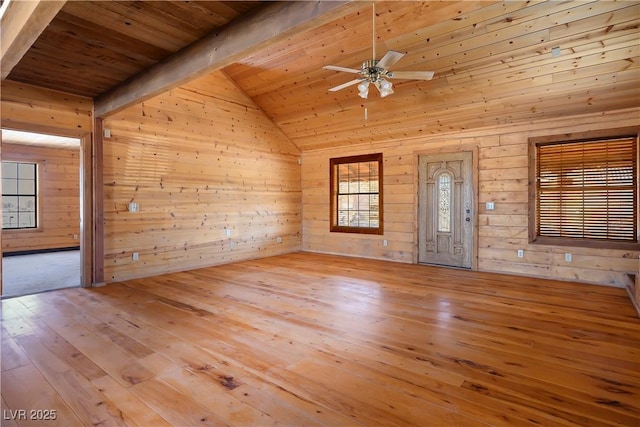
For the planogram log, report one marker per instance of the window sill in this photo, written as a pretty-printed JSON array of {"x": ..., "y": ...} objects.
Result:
[
  {"x": 586, "y": 243},
  {"x": 8, "y": 231},
  {"x": 356, "y": 230}
]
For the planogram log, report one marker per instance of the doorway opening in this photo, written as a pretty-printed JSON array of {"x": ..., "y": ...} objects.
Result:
[{"x": 41, "y": 212}]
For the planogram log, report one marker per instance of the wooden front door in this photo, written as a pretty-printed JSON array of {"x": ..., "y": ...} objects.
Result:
[{"x": 445, "y": 209}]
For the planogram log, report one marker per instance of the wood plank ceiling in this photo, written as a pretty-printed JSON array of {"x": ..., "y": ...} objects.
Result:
[
  {"x": 495, "y": 63},
  {"x": 92, "y": 46}
]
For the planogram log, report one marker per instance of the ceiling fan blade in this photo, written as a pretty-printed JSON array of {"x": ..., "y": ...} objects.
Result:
[
  {"x": 389, "y": 59},
  {"x": 411, "y": 75},
  {"x": 337, "y": 68},
  {"x": 342, "y": 86}
]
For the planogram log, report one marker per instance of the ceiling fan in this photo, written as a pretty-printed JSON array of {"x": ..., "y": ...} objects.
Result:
[{"x": 377, "y": 71}]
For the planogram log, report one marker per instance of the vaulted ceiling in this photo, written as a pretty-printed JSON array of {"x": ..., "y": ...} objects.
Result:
[
  {"x": 495, "y": 63},
  {"x": 92, "y": 46}
]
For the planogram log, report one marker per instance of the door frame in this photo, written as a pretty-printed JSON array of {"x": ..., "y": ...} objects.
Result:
[
  {"x": 457, "y": 148},
  {"x": 87, "y": 190}
]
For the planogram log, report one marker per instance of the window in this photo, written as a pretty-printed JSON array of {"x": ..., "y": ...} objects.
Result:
[
  {"x": 586, "y": 192},
  {"x": 356, "y": 194},
  {"x": 19, "y": 195}
]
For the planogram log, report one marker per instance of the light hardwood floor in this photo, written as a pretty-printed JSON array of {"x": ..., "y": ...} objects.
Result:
[{"x": 309, "y": 339}]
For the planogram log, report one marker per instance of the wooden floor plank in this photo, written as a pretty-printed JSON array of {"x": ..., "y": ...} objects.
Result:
[
  {"x": 8, "y": 420},
  {"x": 33, "y": 400},
  {"x": 134, "y": 411},
  {"x": 86, "y": 402},
  {"x": 11, "y": 355},
  {"x": 177, "y": 408},
  {"x": 311, "y": 339}
]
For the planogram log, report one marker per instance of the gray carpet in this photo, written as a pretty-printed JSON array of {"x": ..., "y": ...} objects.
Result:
[{"x": 30, "y": 274}]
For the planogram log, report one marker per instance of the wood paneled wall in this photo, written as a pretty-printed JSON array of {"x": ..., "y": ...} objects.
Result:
[
  {"x": 58, "y": 198},
  {"x": 26, "y": 107},
  {"x": 502, "y": 178},
  {"x": 199, "y": 160}
]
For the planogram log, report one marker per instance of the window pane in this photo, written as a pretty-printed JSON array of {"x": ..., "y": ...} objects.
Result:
[
  {"x": 9, "y": 186},
  {"x": 10, "y": 203},
  {"x": 363, "y": 219},
  {"x": 9, "y": 170},
  {"x": 343, "y": 218},
  {"x": 26, "y": 171},
  {"x": 364, "y": 202},
  {"x": 27, "y": 220},
  {"x": 343, "y": 202},
  {"x": 26, "y": 186},
  {"x": 444, "y": 203},
  {"x": 27, "y": 204},
  {"x": 7, "y": 220}
]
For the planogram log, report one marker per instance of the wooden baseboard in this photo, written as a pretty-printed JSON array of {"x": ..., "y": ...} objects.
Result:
[{"x": 40, "y": 251}]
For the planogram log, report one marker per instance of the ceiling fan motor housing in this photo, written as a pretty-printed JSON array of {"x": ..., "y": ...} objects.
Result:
[{"x": 371, "y": 72}]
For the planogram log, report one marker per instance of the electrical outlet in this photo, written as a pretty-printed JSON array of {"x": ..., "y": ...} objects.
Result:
[
  {"x": 136, "y": 256},
  {"x": 227, "y": 232},
  {"x": 568, "y": 257},
  {"x": 279, "y": 239},
  {"x": 133, "y": 207},
  {"x": 490, "y": 206},
  {"x": 385, "y": 242},
  {"x": 520, "y": 253},
  {"x": 75, "y": 237}
]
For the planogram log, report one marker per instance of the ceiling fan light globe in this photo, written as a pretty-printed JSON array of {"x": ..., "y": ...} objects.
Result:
[{"x": 385, "y": 87}]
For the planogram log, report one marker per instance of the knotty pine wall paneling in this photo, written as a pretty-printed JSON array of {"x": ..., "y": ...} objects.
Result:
[
  {"x": 58, "y": 198},
  {"x": 199, "y": 160},
  {"x": 31, "y": 108},
  {"x": 502, "y": 179}
]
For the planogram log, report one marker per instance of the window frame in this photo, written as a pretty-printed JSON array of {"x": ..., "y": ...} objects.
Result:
[
  {"x": 627, "y": 132},
  {"x": 36, "y": 195},
  {"x": 333, "y": 194}
]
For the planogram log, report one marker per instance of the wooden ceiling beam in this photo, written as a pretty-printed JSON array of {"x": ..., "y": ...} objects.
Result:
[
  {"x": 238, "y": 40},
  {"x": 21, "y": 23}
]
